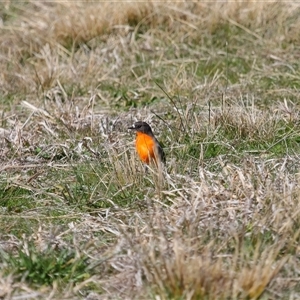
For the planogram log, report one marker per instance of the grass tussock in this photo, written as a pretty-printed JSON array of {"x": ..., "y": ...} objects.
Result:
[{"x": 80, "y": 217}]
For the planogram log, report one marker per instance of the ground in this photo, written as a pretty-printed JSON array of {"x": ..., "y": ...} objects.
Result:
[{"x": 219, "y": 84}]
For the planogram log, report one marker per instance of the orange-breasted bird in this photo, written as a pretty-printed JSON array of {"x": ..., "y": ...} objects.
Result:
[{"x": 147, "y": 146}]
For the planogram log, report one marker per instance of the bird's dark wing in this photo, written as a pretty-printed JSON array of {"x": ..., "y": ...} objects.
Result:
[{"x": 161, "y": 152}]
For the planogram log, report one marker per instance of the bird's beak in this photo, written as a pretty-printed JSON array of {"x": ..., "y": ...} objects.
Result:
[{"x": 132, "y": 127}]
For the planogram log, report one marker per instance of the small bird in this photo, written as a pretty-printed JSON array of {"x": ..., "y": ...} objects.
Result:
[{"x": 147, "y": 146}]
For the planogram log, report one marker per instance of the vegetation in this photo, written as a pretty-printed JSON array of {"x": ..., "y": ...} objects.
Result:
[{"x": 219, "y": 84}]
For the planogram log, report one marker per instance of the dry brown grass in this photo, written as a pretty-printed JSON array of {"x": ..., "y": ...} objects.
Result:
[
  {"x": 86, "y": 43},
  {"x": 219, "y": 84}
]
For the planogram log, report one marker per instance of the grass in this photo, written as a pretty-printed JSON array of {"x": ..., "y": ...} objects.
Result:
[
  {"x": 80, "y": 217},
  {"x": 43, "y": 268}
]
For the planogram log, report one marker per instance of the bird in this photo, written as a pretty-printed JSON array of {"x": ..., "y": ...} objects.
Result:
[{"x": 146, "y": 144}]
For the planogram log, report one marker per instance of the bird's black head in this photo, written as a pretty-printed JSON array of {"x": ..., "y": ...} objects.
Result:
[{"x": 141, "y": 127}]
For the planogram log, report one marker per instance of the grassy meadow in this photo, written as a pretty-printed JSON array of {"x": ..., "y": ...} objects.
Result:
[{"x": 218, "y": 82}]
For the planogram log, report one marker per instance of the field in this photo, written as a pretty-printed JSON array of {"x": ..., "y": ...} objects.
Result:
[{"x": 218, "y": 82}]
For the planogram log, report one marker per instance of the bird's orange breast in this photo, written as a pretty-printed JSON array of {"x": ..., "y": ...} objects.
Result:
[{"x": 145, "y": 147}]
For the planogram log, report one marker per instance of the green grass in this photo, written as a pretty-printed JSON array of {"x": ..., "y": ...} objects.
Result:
[
  {"x": 42, "y": 268},
  {"x": 15, "y": 199}
]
